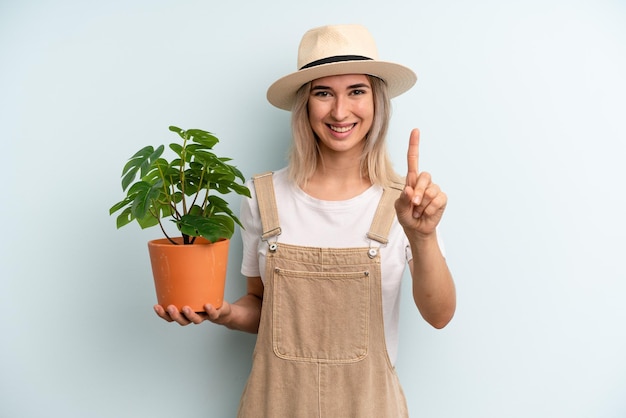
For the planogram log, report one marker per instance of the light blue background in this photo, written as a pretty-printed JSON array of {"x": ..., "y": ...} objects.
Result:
[{"x": 522, "y": 110}]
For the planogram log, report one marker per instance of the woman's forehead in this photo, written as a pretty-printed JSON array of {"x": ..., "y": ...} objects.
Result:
[{"x": 343, "y": 79}]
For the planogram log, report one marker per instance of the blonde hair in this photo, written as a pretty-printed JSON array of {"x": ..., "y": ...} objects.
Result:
[{"x": 375, "y": 162}]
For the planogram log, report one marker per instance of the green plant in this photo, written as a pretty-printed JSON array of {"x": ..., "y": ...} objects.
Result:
[{"x": 181, "y": 189}]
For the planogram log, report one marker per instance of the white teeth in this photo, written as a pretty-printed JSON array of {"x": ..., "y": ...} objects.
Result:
[{"x": 341, "y": 129}]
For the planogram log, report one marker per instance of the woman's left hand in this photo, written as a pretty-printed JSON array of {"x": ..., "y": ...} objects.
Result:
[{"x": 422, "y": 203}]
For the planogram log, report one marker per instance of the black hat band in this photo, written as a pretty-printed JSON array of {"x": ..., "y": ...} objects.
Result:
[{"x": 336, "y": 58}]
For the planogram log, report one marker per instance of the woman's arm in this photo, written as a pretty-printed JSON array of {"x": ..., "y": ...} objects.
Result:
[
  {"x": 419, "y": 209},
  {"x": 433, "y": 287}
]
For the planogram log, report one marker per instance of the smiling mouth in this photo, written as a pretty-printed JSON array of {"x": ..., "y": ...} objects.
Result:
[{"x": 341, "y": 129}]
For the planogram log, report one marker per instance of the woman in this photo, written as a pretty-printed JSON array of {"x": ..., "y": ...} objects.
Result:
[{"x": 327, "y": 239}]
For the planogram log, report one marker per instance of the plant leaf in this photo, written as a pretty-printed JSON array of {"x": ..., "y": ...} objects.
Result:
[
  {"x": 178, "y": 131},
  {"x": 147, "y": 164},
  {"x": 177, "y": 148},
  {"x": 219, "y": 205},
  {"x": 213, "y": 228},
  {"x": 119, "y": 205},
  {"x": 146, "y": 194},
  {"x": 124, "y": 218},
  {"x": 203, "y": 137},
  {"x": 148, "y": 221},
  {"x": 140, "y": 162}
]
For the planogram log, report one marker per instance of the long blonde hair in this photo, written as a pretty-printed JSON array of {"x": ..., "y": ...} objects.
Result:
[{"x": 375, "y": 162}]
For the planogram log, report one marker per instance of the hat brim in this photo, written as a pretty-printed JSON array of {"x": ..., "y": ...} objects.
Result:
[{"x": 398, "y": 78}]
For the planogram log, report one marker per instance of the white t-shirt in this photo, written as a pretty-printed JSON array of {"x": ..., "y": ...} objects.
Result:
[{"x": 311, "y": 222}]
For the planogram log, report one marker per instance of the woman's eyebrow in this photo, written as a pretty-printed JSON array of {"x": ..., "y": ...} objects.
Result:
[
  {"x": 359, "y": 86},
  {"x": 353, "y": 86}
]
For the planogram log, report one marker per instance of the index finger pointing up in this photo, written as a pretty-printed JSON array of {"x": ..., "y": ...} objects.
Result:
[{"x": 413, "y": 154}]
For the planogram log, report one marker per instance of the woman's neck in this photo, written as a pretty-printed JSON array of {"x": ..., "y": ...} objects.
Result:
[{"x": 337, "y": 181}]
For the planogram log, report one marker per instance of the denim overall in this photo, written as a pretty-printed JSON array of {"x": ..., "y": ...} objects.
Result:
[{"x": 320, "y": 350}]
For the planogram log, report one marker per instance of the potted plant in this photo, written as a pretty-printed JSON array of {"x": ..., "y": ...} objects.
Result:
[{"x": 189, "y": 268}]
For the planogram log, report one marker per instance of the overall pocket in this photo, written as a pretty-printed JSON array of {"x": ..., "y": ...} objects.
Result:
[{"x": 321, "y": 316}]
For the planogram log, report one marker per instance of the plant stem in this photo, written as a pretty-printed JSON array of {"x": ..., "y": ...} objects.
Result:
[
  {"x": 183, "y": 162},
  {"x": 200, "y": 188},
  {"x": 165, "y": 233}
]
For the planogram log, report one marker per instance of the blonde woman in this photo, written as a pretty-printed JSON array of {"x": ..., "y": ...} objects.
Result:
[{"x": 327, "y": 240}]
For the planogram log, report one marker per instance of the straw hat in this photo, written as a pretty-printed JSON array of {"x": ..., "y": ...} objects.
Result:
[{"x": 336, "y": 50}]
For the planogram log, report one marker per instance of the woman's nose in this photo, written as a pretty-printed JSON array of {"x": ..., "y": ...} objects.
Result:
[{"x": 340, "y": 109}]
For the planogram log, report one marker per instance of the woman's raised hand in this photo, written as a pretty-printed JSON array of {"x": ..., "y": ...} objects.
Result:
[{"x": 422, "y": 203}]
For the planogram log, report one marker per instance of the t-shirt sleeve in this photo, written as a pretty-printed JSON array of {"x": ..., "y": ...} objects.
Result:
[{"x": 250, "y": 234}]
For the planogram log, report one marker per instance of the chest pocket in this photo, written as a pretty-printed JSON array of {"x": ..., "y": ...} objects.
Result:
[{"x": 321, "y": 316}]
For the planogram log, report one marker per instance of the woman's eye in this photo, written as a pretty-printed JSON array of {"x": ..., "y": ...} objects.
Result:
[{"x": 321, "y": 94}]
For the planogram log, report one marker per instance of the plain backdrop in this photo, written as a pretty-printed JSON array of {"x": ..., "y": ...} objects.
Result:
[{"x": 522, "y": 109}]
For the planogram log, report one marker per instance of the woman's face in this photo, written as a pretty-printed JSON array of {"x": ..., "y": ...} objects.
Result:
[{"x": 341, "y": 111}]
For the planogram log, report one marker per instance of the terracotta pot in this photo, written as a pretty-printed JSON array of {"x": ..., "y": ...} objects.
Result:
[{"x": 189, "y": 275}]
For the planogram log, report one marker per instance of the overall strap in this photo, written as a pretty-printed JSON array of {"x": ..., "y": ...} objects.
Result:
[
  {"x": 385, "y": 212},
  {"x": 266, "y": 198}
]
